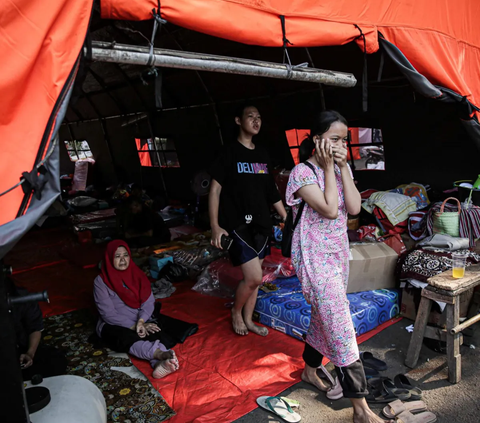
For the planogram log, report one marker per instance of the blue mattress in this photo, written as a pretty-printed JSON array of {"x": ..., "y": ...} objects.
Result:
[{"x": 287, "y": 311}]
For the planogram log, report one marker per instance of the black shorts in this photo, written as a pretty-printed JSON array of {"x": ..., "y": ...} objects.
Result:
[{"x": 247, "y": 244}]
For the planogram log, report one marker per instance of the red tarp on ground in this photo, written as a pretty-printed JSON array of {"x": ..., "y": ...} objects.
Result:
[{"x": 222, "y": 374}]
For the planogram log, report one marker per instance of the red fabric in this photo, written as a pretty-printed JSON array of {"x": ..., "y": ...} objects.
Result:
[
  {"x": 395, "y": 242},
  {"x": 441, "y": 39},
  {"x": 295, "y": 138},
  {"x": 139, "y": 288},
  {"x": 143, "y": 153},
  {"x": 354, "y": 140},
  {"x": 222, "y": 374},
  {"x": 387, "y": 225}
]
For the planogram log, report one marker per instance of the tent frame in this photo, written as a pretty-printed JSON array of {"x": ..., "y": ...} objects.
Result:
[{"x": 137, "y": 55}]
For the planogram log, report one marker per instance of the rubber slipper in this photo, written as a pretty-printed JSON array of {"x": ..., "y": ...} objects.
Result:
[
  {"x": 407, "y": 417},
  {"x": 397, "y": 407},
  {"x": 400, "y": 393},
  {"x": 336, "y": 391},
  {"x": 369, "y": 360},
  {"x": 291, "y": 402},
  {"x": 379, "y": 394},
  {"x": 369, "y": 373},
  {"x": 279, "y": 407},
  {"x": 401, "y": 381}
]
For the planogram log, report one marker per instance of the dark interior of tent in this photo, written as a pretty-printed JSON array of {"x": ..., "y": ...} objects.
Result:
[{"x": 113, "y": 104}]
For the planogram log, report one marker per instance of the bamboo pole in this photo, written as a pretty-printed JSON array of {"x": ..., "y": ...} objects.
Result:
[
  {"x": 465, "y": 325},
  {"x": 136, "y": 55}
]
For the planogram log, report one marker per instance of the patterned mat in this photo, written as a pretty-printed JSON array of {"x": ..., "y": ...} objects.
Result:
[{"x": 128, "y": 394}]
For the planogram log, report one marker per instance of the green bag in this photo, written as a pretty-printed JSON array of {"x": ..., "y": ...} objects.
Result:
[{"x": 447, "y": 223}]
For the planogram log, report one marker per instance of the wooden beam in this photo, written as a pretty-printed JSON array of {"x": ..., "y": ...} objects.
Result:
[{"x": 136, "y": 55}]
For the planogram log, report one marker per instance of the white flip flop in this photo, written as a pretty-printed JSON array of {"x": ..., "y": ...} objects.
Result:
[{"x": 279, "y": 407}]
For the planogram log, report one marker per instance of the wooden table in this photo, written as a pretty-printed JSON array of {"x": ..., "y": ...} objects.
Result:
[{"x": 445, "y": 288}]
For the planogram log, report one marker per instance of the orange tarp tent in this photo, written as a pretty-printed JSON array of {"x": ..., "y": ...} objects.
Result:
[
  {"x": 440, "y": 38},
  {"x": 40, "y": 42}
]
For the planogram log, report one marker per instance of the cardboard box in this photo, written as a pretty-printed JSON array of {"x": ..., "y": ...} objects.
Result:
[
  {"x": 372, "y": 266},
  {"x": 411, "y": 297}
]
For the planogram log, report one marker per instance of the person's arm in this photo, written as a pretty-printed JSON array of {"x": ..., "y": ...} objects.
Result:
[
  {"x": 105, "y": 305},
  {"x": 213, "y": 206},
  {"x": 353, "y": 200},
  {"x": 280, "y": 209},
  {"x": 326, "y": 202},
  {"x": 26, "y": 359},
  {"x": 146, "y": 309}
]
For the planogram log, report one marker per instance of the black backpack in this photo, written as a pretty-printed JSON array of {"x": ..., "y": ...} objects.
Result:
[{"x": 290, "y": 225}]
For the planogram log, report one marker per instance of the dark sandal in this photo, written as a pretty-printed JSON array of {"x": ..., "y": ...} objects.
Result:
[
  {"x": 377, "y": 394},
  {"x": 369, "y": 360},
  {"x": 371, "y": 373},
  {"x": 400, "y": 393},
  {"x": 401, "y": 381},
  {"x": 383, "y": 390}
]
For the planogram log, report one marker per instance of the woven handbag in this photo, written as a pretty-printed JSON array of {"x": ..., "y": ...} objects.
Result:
[{"x": 447, "y": 223}]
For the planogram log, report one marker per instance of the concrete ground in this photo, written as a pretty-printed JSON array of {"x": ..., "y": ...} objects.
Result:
[{"x": 458, "y": 403}]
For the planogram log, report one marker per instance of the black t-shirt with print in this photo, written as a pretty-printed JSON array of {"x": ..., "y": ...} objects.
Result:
[{"x": 248, "y": 187}]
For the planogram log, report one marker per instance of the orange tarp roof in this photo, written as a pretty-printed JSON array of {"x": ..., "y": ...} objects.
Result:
[
  {"x": 39, "y": 44},
  {"x": 440, "y": 38}
]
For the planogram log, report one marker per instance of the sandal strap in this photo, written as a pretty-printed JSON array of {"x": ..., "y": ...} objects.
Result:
[
  {"x": 406, "y": 417},
  {"x": 280, "y": 399},
  {"x": 397, "y": 407}
]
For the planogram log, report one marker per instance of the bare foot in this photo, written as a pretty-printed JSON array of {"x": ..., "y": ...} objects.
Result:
[
  {"x": 165, "y": 367},
  {"x": 368, "y": 416},
  {"x": 259, "y": 330},
  {"x": 238, "y": 324},
  {"x": 314, "y": 380},
  {"x": 163, "y": 355}
]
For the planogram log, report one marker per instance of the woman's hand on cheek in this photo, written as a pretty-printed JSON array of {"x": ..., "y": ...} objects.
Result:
[{"x": 323, "y": 153}]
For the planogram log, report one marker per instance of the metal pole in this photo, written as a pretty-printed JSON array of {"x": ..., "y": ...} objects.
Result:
[{"x": 134, "y": 55}]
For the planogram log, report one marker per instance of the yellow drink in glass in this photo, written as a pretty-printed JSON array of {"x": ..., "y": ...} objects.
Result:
[{"x": 458, "y": 272}]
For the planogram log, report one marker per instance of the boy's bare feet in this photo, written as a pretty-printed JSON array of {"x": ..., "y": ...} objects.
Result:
[{"x": 238, "y": 324}]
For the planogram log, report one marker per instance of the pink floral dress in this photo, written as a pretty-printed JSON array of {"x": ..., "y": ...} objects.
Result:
[{"x": 320, "y": 254}]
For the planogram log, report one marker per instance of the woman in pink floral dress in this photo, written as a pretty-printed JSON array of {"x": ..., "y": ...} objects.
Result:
[{"x": 320, "y": 254}]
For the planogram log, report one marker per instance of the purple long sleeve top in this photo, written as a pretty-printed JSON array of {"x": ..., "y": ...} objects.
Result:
[{"x": 114, "y": 311}]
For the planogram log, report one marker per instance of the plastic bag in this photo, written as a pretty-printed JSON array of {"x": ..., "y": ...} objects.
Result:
[{"x": 221, "y": 278}]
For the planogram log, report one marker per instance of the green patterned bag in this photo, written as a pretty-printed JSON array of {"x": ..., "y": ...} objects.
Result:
[{"x": 447, "y": 223}]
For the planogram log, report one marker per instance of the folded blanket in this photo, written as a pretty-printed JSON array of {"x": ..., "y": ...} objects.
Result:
[
  {"x": 444, "y": 242},
  {"x": 396, "y": 207}
]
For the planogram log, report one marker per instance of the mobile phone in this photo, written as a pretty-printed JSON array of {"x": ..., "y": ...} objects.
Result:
[{"x": 226, "y": 242}]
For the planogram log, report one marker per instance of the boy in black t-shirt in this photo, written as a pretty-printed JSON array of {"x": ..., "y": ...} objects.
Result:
[{"x": 241, "y": 194}]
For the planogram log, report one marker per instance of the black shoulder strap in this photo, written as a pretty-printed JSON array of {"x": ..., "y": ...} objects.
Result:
[{"x": 302, "y": 205}]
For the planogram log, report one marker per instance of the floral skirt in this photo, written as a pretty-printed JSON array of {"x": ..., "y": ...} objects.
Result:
[{"x": 324, "y": 281}]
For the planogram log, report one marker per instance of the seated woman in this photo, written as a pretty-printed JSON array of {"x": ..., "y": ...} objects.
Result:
[{"x": 124, "y": 299}]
